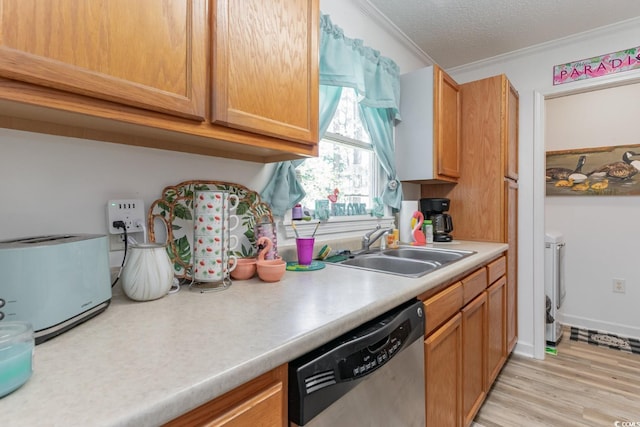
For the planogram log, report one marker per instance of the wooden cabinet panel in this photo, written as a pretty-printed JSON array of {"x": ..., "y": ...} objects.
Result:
[
  {"x": 260, "y": 402},
  {"x": 474, "y": 350},
  {"x": 512, "y": 264},
  {"x": 474, "y": 284},
  {"x": 455, "y": 396},
  {"x": 145, "y": 53},
  {"x": 496, "y": 331},
  {"x": 497, "y": 269},
  {"x": 265, "y": 76},
  {"x": 442, "y": 306},
  {"x": 443, "y": 368},
  {"x": 488, "y": 174},
  {"x": 428, "y": 138},
  {"x": 511, "y": 130},
  {"x": 446, "y": 126}
]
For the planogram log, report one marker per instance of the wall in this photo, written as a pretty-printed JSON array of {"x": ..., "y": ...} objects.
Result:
[
  {"x": 51, "y": 184},
  {"x": 530, "y": 70},
  {"x": 600, "y": 231}
]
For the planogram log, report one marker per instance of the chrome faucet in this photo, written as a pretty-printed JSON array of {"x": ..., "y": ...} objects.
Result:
[{"x": 367, "y": 240}]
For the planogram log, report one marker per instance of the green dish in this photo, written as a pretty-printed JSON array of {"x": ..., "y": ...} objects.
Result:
[{"x": 315, "y": 265}]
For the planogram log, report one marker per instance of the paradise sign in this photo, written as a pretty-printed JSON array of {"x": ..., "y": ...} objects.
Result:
[{"x": 597, "y": 66}]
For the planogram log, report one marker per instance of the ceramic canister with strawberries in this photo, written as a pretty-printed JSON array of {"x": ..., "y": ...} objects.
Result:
[{"x": 212, "y": 240}]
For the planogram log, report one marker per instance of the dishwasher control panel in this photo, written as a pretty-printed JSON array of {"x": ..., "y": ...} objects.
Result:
[{"x": 372, "y": 357}]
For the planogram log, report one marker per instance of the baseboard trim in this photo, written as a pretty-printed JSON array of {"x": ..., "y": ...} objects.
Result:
[{"x": 524, "y": 349}]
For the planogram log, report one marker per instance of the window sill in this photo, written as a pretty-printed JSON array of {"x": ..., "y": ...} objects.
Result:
[{"x": 342, "y": 226}]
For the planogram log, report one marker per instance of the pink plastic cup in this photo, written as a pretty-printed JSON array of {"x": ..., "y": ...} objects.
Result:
[{"x": 305, "y": 250}]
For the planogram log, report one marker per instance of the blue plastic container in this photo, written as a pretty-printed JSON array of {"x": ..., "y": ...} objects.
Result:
[{"x": 16, "y": 355}]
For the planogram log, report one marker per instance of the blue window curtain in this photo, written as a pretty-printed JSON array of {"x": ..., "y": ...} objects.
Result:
[
  {"x": 346, "y": 62},
  {"x": 283, "y": 190}
]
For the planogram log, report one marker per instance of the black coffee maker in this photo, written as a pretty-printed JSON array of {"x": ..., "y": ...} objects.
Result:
[{"x": 434, "y": 209}]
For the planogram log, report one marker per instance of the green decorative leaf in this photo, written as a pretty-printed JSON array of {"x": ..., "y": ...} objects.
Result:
[
  {"x": 184, "y": 249},
  {"x": 164, "y": 206},
  {"x": 182, "y": 212},
  {"x": 251, "y": 235},
  {"x": 246, "y": 252},
  {"x": 170, "y": 195},
  {"x": 243, "y": 207}
]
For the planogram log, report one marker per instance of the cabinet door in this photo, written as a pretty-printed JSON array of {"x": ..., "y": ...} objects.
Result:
[
  {"x": 145, "y": 53},
  {"x": 265, "y": 59},
  {"x": 474, "y": 347},
  {"x": 496, "y": 331},
  {"x": 511, "y": 216},
  {"x": 443, "y": 369},
  {"x": 446, "y": 126},
  {"x": 510, "y": 131}
]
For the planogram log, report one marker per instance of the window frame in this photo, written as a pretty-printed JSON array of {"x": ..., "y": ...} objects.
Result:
[{"x": 349, "y": 224}]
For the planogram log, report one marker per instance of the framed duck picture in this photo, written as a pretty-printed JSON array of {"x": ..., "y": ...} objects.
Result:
[{"x": 601, "y": 171}]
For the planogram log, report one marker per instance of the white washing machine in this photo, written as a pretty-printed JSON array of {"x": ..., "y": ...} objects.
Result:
[{"x": 554, "y": 284}]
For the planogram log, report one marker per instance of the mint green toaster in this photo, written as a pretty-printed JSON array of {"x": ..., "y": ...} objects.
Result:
[{"x": 54, "y": 282}]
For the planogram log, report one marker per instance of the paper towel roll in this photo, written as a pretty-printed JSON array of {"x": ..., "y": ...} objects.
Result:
[{"x": 404, "y": 218}]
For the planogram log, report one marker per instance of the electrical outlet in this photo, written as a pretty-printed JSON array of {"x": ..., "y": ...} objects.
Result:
[
  {"x": 116, "y": 242},
  {"x": 619, "y": 286},
  {"x": 129, "y": 211}
]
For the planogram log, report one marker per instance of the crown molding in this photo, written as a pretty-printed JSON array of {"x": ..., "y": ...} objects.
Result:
[
  {"x": 379, "y": 18},
  {"x": 630, "y": 24}
]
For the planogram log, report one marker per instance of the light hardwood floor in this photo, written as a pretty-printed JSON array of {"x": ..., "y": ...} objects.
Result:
[{"x": 583, "y": 385}]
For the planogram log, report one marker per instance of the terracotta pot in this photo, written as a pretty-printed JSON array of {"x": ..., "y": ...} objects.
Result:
[
  {"x": 245, "y": 269},
  {"x": 271, "y": 270}
]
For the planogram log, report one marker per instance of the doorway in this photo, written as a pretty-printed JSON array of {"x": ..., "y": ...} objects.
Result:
[{"x": 540, "y": 144}]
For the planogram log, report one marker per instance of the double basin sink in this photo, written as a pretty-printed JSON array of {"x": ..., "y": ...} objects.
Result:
[{"x": 405, "y": 261}]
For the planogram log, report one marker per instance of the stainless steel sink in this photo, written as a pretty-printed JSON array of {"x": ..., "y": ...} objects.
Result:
[
  {"x": 443, "y": 256},
  {"x": 405, "y": 261},
  {"x": 387, "y": 264}
]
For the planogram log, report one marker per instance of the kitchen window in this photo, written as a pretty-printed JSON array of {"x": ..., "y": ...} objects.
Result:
[{"x": 346, "y": 161}]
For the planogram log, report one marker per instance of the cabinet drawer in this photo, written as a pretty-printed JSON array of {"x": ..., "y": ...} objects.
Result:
[
  {"x": 442, "y": 306},
  {"x": 261, "y": 401},
  {"x": 497, "y": 269},
  {"x": 474, "y": 284}
]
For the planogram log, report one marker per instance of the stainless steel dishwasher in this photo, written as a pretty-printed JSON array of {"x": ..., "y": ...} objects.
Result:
[{"x": 370, "y": 376}]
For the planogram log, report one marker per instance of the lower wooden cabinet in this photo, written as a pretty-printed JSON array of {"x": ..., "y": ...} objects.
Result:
[
  {"x": 443, "y": 374},
  {"x": 465, "y": 345},
  {"x": 474, "y": 344},
  {"x": 496, "y": 329},
  {"x": 260, "y": 402}
]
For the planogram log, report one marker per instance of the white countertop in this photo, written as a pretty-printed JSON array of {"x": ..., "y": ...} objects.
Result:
[{"x": 142, "y": 364}]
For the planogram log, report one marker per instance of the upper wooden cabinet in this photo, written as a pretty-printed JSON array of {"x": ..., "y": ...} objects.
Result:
[
  {"x": 145, "y": 53},
  {"x": 428, "y": 137},
  {"x": 228, "y": 78},
  {"x": 510, "y": 131},
  {"x": 265, "y": 76},
  {"x": 489, "y": 141}
]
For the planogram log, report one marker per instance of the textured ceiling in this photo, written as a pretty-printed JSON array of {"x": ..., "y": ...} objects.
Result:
[{"x": 457, "y": 32}]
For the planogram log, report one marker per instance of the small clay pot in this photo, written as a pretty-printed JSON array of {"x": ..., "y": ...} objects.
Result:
[
  {"x": 271, "y": 270},
  {"x": 245, "y": 269}
]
